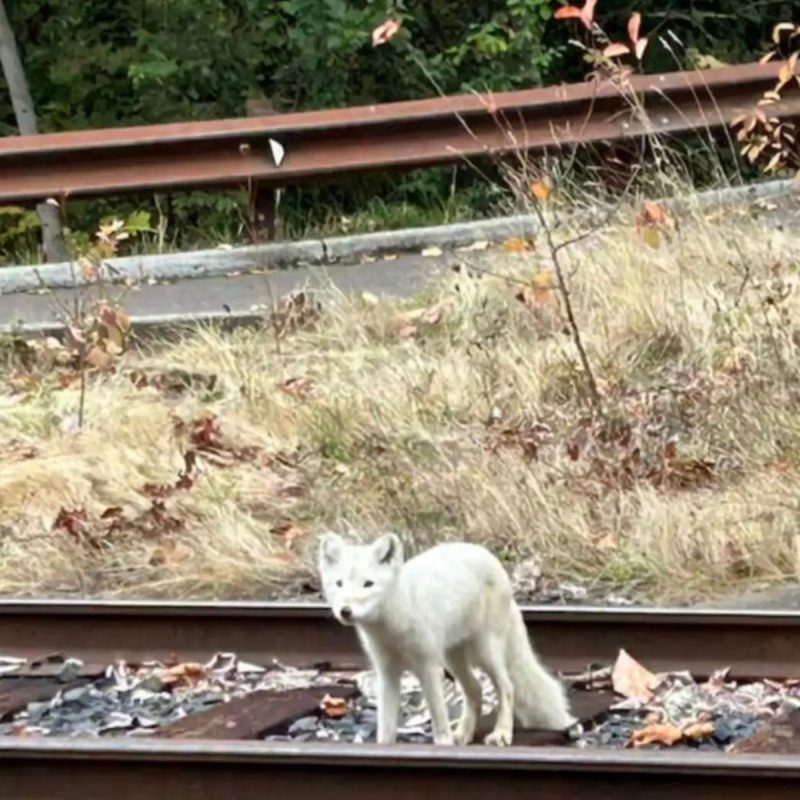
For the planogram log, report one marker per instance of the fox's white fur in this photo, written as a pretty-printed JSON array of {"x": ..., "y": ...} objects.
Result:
[{"x": 450, "y": 607}]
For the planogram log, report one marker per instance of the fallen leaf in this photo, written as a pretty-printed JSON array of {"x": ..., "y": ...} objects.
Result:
[
  {"x": 651, "y": 238},
  {"x": 698, "y": 730},
  {"x": 515, "y": 245},
  {"x": 432, "y": 252},
  {"x": 479, "y": 245},
  {"x": 289, "y": 532},
  {"x": 333, "y": 707},
  {"x": 98, "y": 358},
  {"x": 300, "y": 388},
  {"x": 654, "y": 214},
  {"x": 630, "y": 679},
  {"x": 71, "y": 520},
  {"x": 543, "y": 285},
  {"x": 607, "y": 542},
  {"x": 658, "y": 733},
  {"x": 541, "y": 190}
]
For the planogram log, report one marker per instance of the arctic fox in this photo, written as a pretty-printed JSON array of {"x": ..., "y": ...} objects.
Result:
[{"x": 450, "y": 607}]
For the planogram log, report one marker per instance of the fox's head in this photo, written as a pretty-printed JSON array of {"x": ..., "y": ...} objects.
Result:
[{"x": 355, "y": 578}]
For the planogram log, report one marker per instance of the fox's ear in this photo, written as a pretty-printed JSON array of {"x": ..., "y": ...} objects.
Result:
[
  {"x": 331, "y": 546},
  {"x": 388, "y": 549}
]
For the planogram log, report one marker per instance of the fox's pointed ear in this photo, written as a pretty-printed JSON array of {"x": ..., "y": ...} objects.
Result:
[
  {"x": 331, "y": 546},
  {"x": 388, "y": 549}
]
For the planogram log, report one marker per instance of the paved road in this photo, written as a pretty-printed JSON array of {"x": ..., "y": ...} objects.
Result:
[{"x": 402, "y": 276}]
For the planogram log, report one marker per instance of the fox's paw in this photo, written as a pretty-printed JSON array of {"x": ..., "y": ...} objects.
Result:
[
  {"x": 499, "y": 738},
  {"x": 445, "y": 738},
  {"x": 464, "y": 734}
]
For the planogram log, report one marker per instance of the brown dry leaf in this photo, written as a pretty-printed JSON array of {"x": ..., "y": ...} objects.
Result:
[
  {"x": 98, "y": 358},
  {"x": 654, "y": 214},
  {"x": 71, "y": 520},
  {"x": 541, "y": 190},
  {"x": 659, "y": 733},
  {"x": 543, "y": 285},
  {"x": 515, "y": 245},
  {"x": 698, "y": 730},
  {"x": 290, "y": 532},
  {"x": 301, "y": 388},
  {"x": 185, "y": 673},
  {"x": 630, "y": 679},
  {"x": 607, "y": 542},
  {"x": 333, "y": 707},
  {"x": 407, "y": 330}
]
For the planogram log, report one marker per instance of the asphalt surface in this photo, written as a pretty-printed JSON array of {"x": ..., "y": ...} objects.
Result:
[{"x": 401, "y": 277}]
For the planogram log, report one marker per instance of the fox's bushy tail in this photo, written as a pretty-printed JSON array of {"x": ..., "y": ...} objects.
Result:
[{"x": 540, "y": 699}]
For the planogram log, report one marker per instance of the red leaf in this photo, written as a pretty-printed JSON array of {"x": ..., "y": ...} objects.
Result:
[
  {"x": 587, "y": 13},
  {"x": 634, "y": 23},
  {"x": 385, "y": 32},
  {"x": 568, "y": 12}
]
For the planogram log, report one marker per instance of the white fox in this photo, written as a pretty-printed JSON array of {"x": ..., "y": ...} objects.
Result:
[{"x": 449, "y": 607}]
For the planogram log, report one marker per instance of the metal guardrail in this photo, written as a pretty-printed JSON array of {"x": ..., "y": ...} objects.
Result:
[{"x": 287, "y": 149}]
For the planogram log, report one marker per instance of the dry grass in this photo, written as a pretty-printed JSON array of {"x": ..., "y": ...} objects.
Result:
[{"x": 475, "y": 425}]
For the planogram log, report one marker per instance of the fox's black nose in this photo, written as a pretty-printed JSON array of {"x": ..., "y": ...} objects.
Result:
[{"x": 347, "y": 612}]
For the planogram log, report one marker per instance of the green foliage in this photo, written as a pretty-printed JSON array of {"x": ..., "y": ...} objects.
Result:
[{"x": 100, "y": 63}]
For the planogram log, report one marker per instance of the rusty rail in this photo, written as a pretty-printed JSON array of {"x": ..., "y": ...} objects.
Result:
[
  {"x": 754, "y": 644},
  {"x": 32, "y": 769},
  {"x": 318, "y": 144}
]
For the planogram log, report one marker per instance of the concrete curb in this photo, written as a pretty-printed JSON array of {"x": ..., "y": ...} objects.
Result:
[
  {"x": 147, "y": 324},
  {"x": 219, "y": 262}
]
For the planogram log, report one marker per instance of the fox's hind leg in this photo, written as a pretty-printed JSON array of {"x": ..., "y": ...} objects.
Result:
[
  {"x": 472, "y": 696},
  {"x": 492, "y": 654}
]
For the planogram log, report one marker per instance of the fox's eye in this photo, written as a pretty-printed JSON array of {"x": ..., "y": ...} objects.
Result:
[
  {"x": 367, "y": 584},
  {"x": 339, "y": 583}
]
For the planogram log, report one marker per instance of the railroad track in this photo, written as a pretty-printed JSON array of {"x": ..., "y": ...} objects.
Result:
[{"x": 216, "y": 753}]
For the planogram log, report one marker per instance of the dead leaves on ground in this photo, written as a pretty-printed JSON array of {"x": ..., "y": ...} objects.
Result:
[
  {"x": 635, "y": 682},
  {"x": 295, "y": 311},
  {"x": 539, "y": 292},
  {"x": 618, "y": 453},
  {"x": 667, "y": 734},
  {"x": 650, "y": 224},
  {"x": 526, "y": 436},
  {"x": 630, "y": 679},
  {"x": 410, "y": 323}
]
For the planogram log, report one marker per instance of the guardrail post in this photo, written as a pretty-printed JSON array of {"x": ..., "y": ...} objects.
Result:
[{"x": 262, "y": 202}]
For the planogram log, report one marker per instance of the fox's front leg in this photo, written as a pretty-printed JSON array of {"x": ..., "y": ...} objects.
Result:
[
  {"x": 431, "y": 677},
  {"x": 388, "y": 702}
]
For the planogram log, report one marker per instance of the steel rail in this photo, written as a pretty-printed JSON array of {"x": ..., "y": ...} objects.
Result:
[
  {"x": 753, "y": 644},
  {"x": 33, "y": 769},
  {"x": 318, "y": 144}
]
